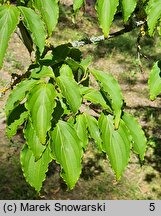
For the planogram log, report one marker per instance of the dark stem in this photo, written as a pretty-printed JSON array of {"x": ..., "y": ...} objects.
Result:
[
  {"x": 94, "y": 40},
  {"x": 86, "y": 41}
]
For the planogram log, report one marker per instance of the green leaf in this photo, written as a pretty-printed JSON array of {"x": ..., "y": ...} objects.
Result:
[
  {"x": 15, "y": 114},
  {"x": 112, "y": 88},
  {"x": 47, "y": 60},
  {"x": 67, "y": 151},
  {"x": 33, "y": 141},
  {"x": 35, "y": 25},
  {"x": 70, "y": 91},
  {"x": 42, "y": 72},
  {"x": 85, "y": 63},
  {"x": 75, "y": 54},
  {"x": 40, "y": 104},
  {"x": 9, "y": 18},
  {"x": 153, "y": 14},
  {"x": 81, "y": 129},
  {"x": 94, "y": 131},
  {"x": 106, "y": 10},
  {"x": 65, "y": 70},
  {"x": 49, "y": 10},
  {"x": 128, "y": 8},
  {"x": 13, "y": 127},
  {"x": 60, "y": 52},
  {"x": 106, "y": 127},
  {"x": 154, "y": 81},
  {"x": 18, "y": 94},
  {"x": 84, "y": 90},
  {"x": 138, "y": 136},
  {"x": 74, "y": 65},
  {"x": 96, "y": 97},
  {"x": 34, "y": 171},
  {"x": 77, "y": 4},
  {"x": 116, "y": 143},
  {"x": 77, "y": 69}
]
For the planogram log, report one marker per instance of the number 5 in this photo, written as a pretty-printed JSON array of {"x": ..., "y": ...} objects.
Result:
[{"x": 152, "y": 207}]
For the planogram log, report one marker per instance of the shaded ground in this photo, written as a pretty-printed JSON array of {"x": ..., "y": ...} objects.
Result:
[{"x": 118, "y": 56}]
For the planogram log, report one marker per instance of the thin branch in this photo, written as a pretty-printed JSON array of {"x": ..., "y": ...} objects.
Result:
[
  {"x": 94, "y": 40},
  {"x": 15, "y": 79},
  {"x": 80, "y": 43},
  {"x": 139, "y": 53}
]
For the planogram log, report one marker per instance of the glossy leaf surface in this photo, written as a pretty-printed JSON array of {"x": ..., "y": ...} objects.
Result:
[
  {"x": 153, "y": 14},
  {"x": 106, "y": 10},
  {"x": 70, "y": 91},
  {"x": 35, "y": 26},
  {"x": 67, "y": 151},
  {"x": 40, "y": 104},
  {"x": 81, "y": 129},
  {"x": 112, "y": 88},
  {"x": 9, "y": 18},
  {"x": 33, "y": 141},
  {"x": 116, "y": 143},
  {"x": 34, "y": 171},
  {"x": 128, "y": 8},
  {"x": 155, "y": 81},
  {"x": 138, "y": 136},
  {"x": 49, "y": 11},
  {"x": 18, "y": 94}
]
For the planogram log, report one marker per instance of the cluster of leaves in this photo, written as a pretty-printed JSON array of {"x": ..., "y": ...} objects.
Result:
[
  {"x": 37, "y": 19},
  {"x": 53, "y": 102},
  {"x": 56, "y": 126}
]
